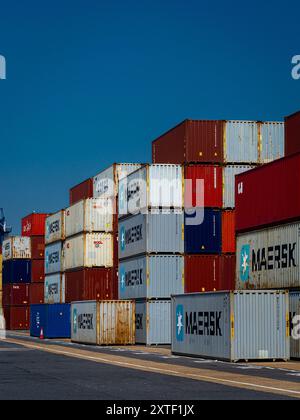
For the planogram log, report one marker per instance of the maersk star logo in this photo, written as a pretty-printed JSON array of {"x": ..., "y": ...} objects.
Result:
[
  {"x": 75, "y": 321},
  {"x": 123, "y": 243},
  {"x": 179, "y": 323},
  {"x": 122, "y": 277},
  {"x": 245, "y": 263}
]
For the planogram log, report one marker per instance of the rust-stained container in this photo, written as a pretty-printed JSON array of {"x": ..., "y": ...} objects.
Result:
[
  {"x": 37, "y": 271},
  {"x": 15, "y": 294},
  {"x": 36, "y": 293},
  {"x": 17, "y": 318},
  {"x": 38, "y": 247},
  {"x": 209, "y": 273},
  {"x": 228, "y": 232},
  {"x": 190, "y": 142},
  {"x": 81, "y": 191},
  {"x": 34, "y": 224},
  {"x": 91, "y": 284},
  {"x": 103, "y": 323},
  {"x": 292, "y": 134}
]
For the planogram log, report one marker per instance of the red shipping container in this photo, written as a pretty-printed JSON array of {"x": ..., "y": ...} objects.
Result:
[
  {"x": 37, "y": 271},
  {"x": 15, "y": 294},
  {"x": 17, "y": 318},
  {"x": 212, "y": 177},
  {"x": 228, "y": 232},
  {"x": 34, "y": 224},
  {"x": 268, "y": 195},
  {"x": 36, "y": 293},
  {"x": 191, "y": 142},
  {"x": 292, "y": 134},
  {"x": 81, "y": 191},
  {"x": 38, "y": 247},
  {"x": 91, "y": 284},
  {"x": 209, "y": 273}
]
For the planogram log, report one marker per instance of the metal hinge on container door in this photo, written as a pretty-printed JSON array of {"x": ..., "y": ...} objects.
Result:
[
  {"x": 260, "y": 140},
  {"x": 232, "y": 328},
  {"x": 214, "y": 226},
  {"x": 216, "y": 141},
  {"x": 288, "y": 324},
  {"x": 148, "y": 273},
  {"x": 215, "y": 179},
  {"x": 225, "y": 141}
]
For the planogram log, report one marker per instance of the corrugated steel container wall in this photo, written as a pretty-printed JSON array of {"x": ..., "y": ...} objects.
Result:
[
  {"x": 105, "y": 184},
  {"x": 241, "y": 142},
  {"x": 205, "y": 237},
  {"x": 34, "y": 224},
  {"x": 89, "y": 250},
  {"x": 153, "y": 322},
  {"x": 209, "y": 273},
  {"x": 265, "y": 196},
  {"x": 84, "y": 322},
  {"x": 36, "y": 294},
  {"x": 16, "y": 247},
  {"x": 292, "y": 134},
  {"x": 92, "y": 215},
  {"x": 81, "y": 191},
  {"x": 272, "y": 141},
  {"x": 229, "y": 174},
  {"x": 295, "y": 312},
  {"x": 15, "y": 295},
  {"x": 151, "y": 234},
  {"x": 190, "y": 142},
  {"x": 16, "y": 271},
  {"x": 91, "y": 284},
  {"x": 17, "y": 318},
  {"x": 55, "y": 227},
  {"x": 55, "y": 320},
  {"x": 150, "y": 277},
  {"x": 232, "y": 326},
  {"x": 269, "y": 258},
  {"x": 54, "y": 291},
  {"x": 37, "y": 271},
  {"x": 53, "y": 258},
  {"x": 228, "y": 232},
  {"x": 37, "y": 247}
]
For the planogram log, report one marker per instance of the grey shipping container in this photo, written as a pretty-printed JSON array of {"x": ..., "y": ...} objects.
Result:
[
  {"x": 232, "y": 326},
  {"x": 295, "y": 324},
  {"x": 155, "y": 276},
  {"x": 151, "y": 234},
  {"x": 153, "y": 322}
]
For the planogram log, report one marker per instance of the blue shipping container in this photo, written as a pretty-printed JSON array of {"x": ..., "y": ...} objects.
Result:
[
  {"x": 16, "y": 272},
  {"x": 55, "y": 320},
  {"x": 203, "y": 232}
]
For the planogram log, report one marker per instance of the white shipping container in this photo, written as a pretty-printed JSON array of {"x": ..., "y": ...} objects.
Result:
[
  {"x": 269, "y": 258},
  {"x": 272, "y": 141},
  {"x": 106, "y": 183},
  {"x": 55, "y": 227},
  {"x": 153, "y": 322},
  {"x": 241, "y": 142},
  {"x": 295, "y": 324},
  {"x": 151, "y": 187},
  {"x": 55, "y": 289},
  {"x": 91, "y": 215},
  {"x": 229, "y": 173},
  {"x": 16, "y": 247},
  {"x": 53, "y": 258},
  {"x": 89, "y": 250}
]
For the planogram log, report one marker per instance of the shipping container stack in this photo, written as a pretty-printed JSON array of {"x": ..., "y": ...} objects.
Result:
[
  {"x": 268, "y": 225},
  {"x": 212, "y": 153},
  {"x": 151, "y": 247}
]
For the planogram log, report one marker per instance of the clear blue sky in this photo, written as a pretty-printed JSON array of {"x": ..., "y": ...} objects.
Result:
[{"x": 93, "y": 82}]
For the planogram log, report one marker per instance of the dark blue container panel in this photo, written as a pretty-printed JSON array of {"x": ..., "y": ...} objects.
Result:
[
  {"x": 205, "y": 237},
  {"x": 55, "y": 320},
  {"x": 16, "y": 272}
]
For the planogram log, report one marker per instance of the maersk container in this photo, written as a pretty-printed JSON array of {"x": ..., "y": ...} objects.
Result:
[
  {"x": 269, "y": 258},
  {"x": 88, "y": 250},
  {"x": 272, "y": 141},
  {"x": 55, "y": 289},
  {"x": 16, "y": 247},
  {"x": 104, "y": 323},
  {"x": 203, "y": 231},
  {"x": 92, "y": 215},
  {"x": 53, "y": 320},
  {"x": 232, "y": 326},
  {"x": 151, "y": 234},
  {"x": 16, "y": 271},
  {"x": 55, "y": 227},
  {"x": 53, "y": 258},
  {"x": 151, "y": 187},
  {"x": 153, "y": 322},
  {"x": 106, "y": 183},
  {"x": 241, "y": 142},
  {"x": 295, "y": 324},
  {"x": 229, "y": 174},
  {"x": 150, "y": 277}
]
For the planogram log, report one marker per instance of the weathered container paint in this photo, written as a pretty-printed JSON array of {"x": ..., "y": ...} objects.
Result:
[
  {"x": 228, "y": 232},
  {"x": 36, "y": 293},
  {"x": 17, "y": 318},
  {"x": 106, "y": 183},
  {"x": 54, "y": 290},
  {"x": 92, "y": 215},
  {"x": 241, "y": 142},
  {"x": 232, "y": 325},
  {"x": 81, "y": 191},
  {"x": 16, "y": 271},
  {"x": 229, "y": 174},
  {"x": 271, "y": 141},
  {"x": 54, "y": 320},
  {"x": 151, "y": 234},
  {"x": 103, "y": 323},
  {"x": 55, "y": 227},
  {"x": 148, "y": 277},
  {"x": 153, "y": 322},
  {"x": 37, "y": 271},
  {"x": 37, "y": 247},
  {"x": 292, "y": 134},
  {"x": 15, "y": 295},
  {"x": 89, "y": 250},
  {"x": 151, "y": 187},
  {"x": 269, "y": 258},
  {"x": 34, "y": 224},
  {"x": 16, "y": 247},
  {"x": 295, "y": 324},
  {"x": 53, "y": 258}
]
